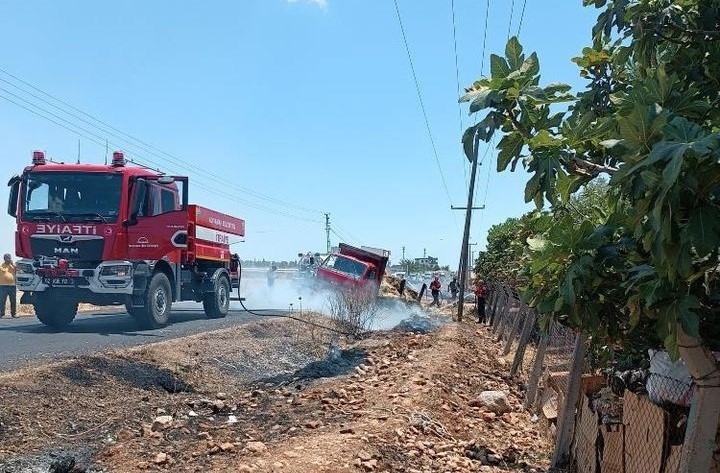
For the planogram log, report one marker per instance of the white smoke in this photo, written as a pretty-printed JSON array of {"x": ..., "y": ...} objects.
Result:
[{"x": 297, "y": 295}]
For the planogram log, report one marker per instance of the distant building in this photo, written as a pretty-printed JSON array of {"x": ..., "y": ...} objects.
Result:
[{"x": 428, "y": 261}]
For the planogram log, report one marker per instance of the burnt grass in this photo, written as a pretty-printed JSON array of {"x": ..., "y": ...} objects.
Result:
[
  {"x": 94, "y": 370},
  {"x": 68, "y": 416}
]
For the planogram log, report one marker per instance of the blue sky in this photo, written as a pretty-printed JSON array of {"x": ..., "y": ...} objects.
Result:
[{"x": 281, "y": 110}]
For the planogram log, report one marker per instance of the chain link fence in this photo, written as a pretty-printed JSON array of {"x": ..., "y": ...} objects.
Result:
[{"x": 627, "y": 418}]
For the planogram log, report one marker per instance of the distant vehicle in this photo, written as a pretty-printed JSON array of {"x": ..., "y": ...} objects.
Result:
[
  {"x": 353, "y": 267},
  {"x": 307, "y": 266},
  {"x": 118, "y": 235}
]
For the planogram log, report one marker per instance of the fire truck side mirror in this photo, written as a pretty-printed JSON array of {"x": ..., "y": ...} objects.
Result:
[{"x": 14, "y": 184}]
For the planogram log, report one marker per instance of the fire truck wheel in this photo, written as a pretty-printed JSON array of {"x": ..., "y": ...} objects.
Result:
[
  {"x": 217, "y": 303},
  {"x": 55, "y": 313},
  {"x": 158, "y": 298}
]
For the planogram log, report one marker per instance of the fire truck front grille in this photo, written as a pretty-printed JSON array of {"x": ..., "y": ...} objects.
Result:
[{"x": 70, "y": 247}]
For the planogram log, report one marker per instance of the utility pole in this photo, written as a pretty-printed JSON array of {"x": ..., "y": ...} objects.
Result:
[
  {"x": 462, "y": 272},
  {"x": 403, "y": 248},
  {"x": 469, "y": 268},
  {"x": 327, "y": 230}
]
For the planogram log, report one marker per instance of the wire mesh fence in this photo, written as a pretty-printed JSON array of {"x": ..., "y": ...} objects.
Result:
[{"x": 627, "y": 418}]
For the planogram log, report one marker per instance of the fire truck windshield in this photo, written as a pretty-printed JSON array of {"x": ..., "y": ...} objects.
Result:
[
  {"x": 345, "y": 265},
  {"x": 71, "y": 196}
]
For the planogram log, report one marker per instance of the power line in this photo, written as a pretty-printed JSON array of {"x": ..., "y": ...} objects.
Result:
[
  {"x": 346, "y": 233},
  {"x": 522, "y": 16},
  {"x": 482, "y": 58},
  {"x": 422, "y": 103},
  {"x": 336, "y": 234},
  {"x": 457, "y": 81},
  {"x": 512, "y": 10},
  {"x": 144, "y": 146},
  {"x": 99, "y": 140}
]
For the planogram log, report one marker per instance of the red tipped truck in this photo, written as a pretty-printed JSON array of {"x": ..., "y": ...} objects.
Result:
[
  {"x": 355, "y": 268},
  {"x": 118, "y": 235}
]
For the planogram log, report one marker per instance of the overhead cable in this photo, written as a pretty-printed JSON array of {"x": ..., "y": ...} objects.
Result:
[
  {"x": 422, "y": 103},
  {"x": 146, "y": 148},
  {"x": 457, "y": 82},
  {"x": 142, "y": 160}
]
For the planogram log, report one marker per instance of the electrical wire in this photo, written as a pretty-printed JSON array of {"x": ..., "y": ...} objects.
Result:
[
  {"x": 144, "y": 146},
  {"x": 345, "y": 232},
  {"x": 336, "y": 234},
  {"x": 422, "y": 103},
  {"x": 522, "y": 16},
  {"x": 100, "y": 140},
  {"x": 484, "y": 43},
  {"x": 512, "y": 10},
  {"x": 457, "y": 81}
]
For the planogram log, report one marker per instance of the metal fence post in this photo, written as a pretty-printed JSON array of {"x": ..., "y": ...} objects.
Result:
[{"x": 566, "y": 420}]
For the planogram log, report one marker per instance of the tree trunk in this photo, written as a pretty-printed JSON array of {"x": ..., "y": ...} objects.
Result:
[{"x": 699, "y": 444}]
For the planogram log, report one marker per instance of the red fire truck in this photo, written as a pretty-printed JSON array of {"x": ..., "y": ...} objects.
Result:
[{"x": 118, "y": 235}]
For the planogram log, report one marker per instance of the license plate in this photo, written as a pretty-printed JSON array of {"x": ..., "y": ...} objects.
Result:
[{"x": 70, "y": 282}]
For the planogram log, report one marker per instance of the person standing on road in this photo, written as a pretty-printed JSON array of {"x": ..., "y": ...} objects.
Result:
[
  {"x": 453, "y": 288},
  {"x": 271, "y": 275},
  {"x": 480, "y": 291},
  {"x": 7, "y": 284},
  {"x": 435, "y": 286}
]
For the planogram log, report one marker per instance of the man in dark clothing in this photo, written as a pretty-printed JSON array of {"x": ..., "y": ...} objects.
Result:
[
  {"x": 453, "y": 288},
  {"x": 435, "y": 290},
  {"x": 401, "y": 286},
  {"x": 480, "y": 291}
]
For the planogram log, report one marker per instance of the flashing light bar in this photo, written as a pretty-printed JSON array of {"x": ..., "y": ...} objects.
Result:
[
  {"x": 118, "y": 158},
  {"x": 38, "y": 158}
]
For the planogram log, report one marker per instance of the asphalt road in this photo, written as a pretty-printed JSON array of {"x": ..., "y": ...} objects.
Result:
[{"x": 25, "y": 341}]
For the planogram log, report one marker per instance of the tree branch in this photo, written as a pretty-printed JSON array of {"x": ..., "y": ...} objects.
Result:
[
  {"x": 588, "y": 168},
  {"x": 517, "y": 125}
]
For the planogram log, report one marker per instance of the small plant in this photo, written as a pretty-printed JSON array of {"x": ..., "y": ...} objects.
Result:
[{"x": 353, "y": 310}]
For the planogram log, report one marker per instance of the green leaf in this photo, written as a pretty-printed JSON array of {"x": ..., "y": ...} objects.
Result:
[
  {"x": 468, "y": 141},
  {"x": 683, "y": 309},
  {"x": 484, "y": 98},
  {"x": 510, "y": 147},
  {"x": 557, "y": 87},
  {"x": 671, "y": 172},
  {"x": 703, "y": 229},
  {"x": 670, "y": 343},
  {"x": 499, "y": 68},
  {"x": 532, "y": 187},
  {"x": 531, "y": 65},
  {"x": 543, "y": 139},
  {"x": 513, "y": 53},
  {"x": 690, "y": 324}
]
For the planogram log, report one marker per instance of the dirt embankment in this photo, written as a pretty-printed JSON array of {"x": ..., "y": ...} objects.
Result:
[{"x": 270, "y": 397}]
